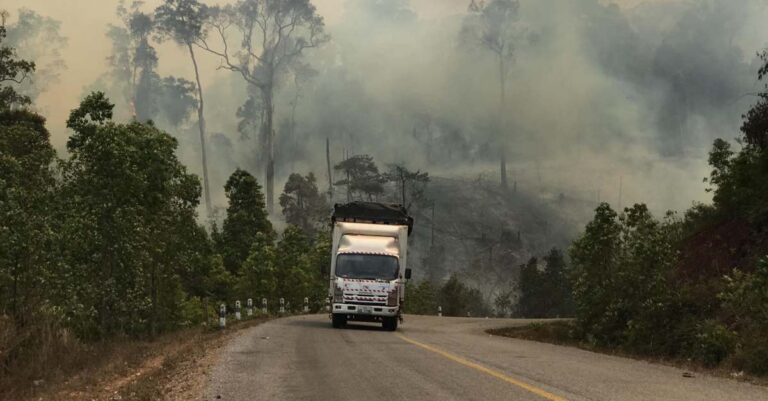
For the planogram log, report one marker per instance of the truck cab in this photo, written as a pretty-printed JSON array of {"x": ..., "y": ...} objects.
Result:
[{"x": 369, "y": 263}]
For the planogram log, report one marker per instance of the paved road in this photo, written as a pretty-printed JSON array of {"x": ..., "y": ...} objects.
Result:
[{"x": 431, "y": 358}]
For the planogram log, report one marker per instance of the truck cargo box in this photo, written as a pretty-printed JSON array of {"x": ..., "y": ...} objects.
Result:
[{"x": 372, "y": 212}]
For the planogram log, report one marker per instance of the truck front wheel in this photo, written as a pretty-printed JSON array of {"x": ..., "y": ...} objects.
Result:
[
  {"x": 389, "y": 323},
  {"x": 338, "y": 320}
]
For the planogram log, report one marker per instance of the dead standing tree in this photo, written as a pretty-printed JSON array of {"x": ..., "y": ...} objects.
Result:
[
  {"x": 492, "y": 26},
  {"x": 273, "y": 34}
]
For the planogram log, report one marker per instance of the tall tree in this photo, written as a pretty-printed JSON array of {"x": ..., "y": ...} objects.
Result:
[
  {"x": 492, "y": 27},
  {"x": 38, "y": 38},
  {"x": 275, "y": 34},
  {"x": 182, "y": 21},
  {"x": 531, "y": 295},
  {"x": 755, "y": 125},
  {"x": 133, "y": 62},
  {"x": 361, "y": 176},
  {"x": 176, "y": 100},
  {"x": 301, "y": 75},
  {"x": 12, "y": 71},
  {"x": 303, "y": 205},
  {"x": 246, "y": 219},
  {"x": 558, "y": 285},
  {"x": 27, "y": 201},
  {"x": 409, "y": 184},
  {"x": 128, "y": 203}
]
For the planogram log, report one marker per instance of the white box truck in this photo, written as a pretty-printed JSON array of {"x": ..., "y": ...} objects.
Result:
[{"x": 369, "y": 263}]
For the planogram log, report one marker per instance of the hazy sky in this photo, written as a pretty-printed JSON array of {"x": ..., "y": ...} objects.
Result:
[{"x": 84, "y": 24}]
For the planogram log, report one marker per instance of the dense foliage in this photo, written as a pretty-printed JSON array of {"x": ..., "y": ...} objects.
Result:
[
  {"x": 454, "y": 299},
  {"x": 106, "y": 242},
  {"x": 696, "y": 287},
  {"x": 543, "y": 292}
]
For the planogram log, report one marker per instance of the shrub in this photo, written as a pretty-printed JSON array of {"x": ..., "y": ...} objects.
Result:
[{"x": 713, "y": 343}]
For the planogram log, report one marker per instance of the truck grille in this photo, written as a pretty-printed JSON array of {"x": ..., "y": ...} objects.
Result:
[{"x": 365, "y": 299}]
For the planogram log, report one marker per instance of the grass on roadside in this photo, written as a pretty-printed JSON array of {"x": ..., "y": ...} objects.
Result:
[{"x": 564, "y": 332}]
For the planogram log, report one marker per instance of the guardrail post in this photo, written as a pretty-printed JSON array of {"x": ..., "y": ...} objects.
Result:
[
  {"x": 222, "y": 316},
  {"x": 264, "y": 309},
  {"x": 238, "y": 316},
  {"x": 249, "y": 304},
  {"x": 306, "y": 305},
  {"x": 439, "y": 311},
  {"x": 282, "y": 305}
]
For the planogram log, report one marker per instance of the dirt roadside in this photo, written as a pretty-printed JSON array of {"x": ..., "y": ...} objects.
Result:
[{"x": 173, "y": 367}]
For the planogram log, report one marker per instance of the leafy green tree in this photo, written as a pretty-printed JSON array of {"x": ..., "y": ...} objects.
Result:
[
  {"x": 755, "y": 126},
  {"x": 457, "y": 299},
  {"x": 293, "y": 274},
  {"x": 145, "y": 80},
  {"x": 182, "y": 21},
  {"x": 621, "y": 270},
  {"x": 503, "y": 304},
  {"x": 127, "y": 201},
  {"x": 257, "y": 278},
  {"x": 26, "y": 205},
  {"x": 409, "y": 184},
  {"x": 275, "y": 34},
  {"x": 745, "y": 302},
  {"x": 12, "y": 71},
  {"x": 38, "y": 38},
  {"x": 246, "y": 218},
  {"x": 176, "y": 100},
  {"x": 361, "y": 176},
  {"x": 303, "y": 205},
  {"x": 558, "y": 285},
  {"x": 531, "y": 294},
  {"x": 421, "y": 298},
  {"x": 596, "y": 257}
]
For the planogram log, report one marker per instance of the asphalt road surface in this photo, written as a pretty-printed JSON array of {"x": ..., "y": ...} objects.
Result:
[{"x": 431, "y": 358}]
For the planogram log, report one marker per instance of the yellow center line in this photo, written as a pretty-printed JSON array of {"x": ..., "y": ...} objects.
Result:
[{"x": 486, "y": 370}]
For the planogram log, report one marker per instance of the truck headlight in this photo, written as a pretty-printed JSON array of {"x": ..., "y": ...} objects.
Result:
[
  {"x": 392, "y": 298},
  {"x": 338, "y": 294}
]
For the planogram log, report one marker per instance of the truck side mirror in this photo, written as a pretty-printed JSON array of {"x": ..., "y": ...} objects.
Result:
[{"x": 408, "y": 274}]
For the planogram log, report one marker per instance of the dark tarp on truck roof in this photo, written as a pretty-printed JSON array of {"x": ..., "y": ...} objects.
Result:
[{"x": 372, "y": 212}]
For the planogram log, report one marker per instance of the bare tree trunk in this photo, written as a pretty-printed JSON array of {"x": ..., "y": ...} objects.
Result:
[
  {"x": 292, "y": 141},
  {"x": 349, "y": 183},
  {"x": 201, "y": 126},
  {"x": 328, "y": 163},
  {"x": 502, "y": 122},
  {"x": 153, "y": 322},
  {"x": 269, "y": 134},
  {"x": 402, "y": 187}
]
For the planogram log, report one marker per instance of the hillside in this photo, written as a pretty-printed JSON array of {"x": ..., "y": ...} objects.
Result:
[{"x": 485, "y": 233}]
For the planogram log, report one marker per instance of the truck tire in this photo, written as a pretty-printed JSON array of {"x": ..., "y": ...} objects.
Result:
[
  {"x": 338, "y": 320},
  {"x": 389, "y": 323}
]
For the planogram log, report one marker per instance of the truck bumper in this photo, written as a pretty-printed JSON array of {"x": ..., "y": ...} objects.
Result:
[{"x": 365, "y": 312}]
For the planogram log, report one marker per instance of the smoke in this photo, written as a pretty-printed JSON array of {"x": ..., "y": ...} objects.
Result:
[{"x": 605, "y": 102}]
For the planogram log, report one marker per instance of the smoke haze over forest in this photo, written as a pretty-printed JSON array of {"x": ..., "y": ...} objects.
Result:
[{"x": 604, "y": 101}]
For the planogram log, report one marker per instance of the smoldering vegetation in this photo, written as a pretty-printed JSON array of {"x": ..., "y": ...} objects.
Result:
[{"x": 603, "y": 103}]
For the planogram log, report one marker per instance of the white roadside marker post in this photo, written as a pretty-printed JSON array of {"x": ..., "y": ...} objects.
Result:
[
  {"x": 222, "y": 316},
  {"x": 282, "y": 306},
  {"x": 238, "y": 316},
  {"x": 264, "y": 309},
  {"x": 327, "y": 305},
  {"x": 306, "y": 305},
  {"x": 439, "y": 311},
  {"x": 249, "y": 304}
]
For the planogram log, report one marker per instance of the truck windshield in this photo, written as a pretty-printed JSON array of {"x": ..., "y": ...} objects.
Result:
[{"x": 371, "y": 267}]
